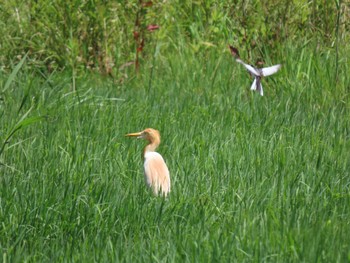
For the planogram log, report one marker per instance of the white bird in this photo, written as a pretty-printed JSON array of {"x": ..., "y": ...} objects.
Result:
[
  {"x": 156, "y": 171},
  {"x": 257, "y": 73}
]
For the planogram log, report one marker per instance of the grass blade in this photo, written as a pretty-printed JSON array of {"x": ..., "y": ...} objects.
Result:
[
  {"x": 14, "y": 73},
  {"x": 23, "y": 122}
]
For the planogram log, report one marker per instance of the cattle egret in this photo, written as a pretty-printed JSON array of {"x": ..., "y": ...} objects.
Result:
[
  {"x": 156, "y": 172},
  {"x": 257, "y": 73}
]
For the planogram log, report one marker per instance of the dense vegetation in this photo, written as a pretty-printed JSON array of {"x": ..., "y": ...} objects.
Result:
[
  {"x": 262, "y": 179},
  {"x": 99, "y": 34}
]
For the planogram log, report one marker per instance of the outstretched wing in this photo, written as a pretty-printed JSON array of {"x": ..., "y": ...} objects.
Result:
[
  {"x": 250, "y": 68},
  {"x": 270, "y": 70}
]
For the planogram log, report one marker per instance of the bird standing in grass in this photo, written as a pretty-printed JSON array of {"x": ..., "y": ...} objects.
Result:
[
  {"x": 156, "y": 171},
  {"x": 257, "y": 73}
]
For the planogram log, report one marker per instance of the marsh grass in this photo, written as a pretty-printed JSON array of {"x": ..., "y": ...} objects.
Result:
[{"x": 262, "y": 179}]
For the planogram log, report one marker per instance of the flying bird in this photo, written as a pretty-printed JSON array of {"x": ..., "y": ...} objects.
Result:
[
  {"x": 257, "y": 73},
  {"x": 156, "y": 171}
]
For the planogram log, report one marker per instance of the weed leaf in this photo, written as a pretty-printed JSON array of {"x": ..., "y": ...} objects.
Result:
[{"x": 14, "y": 73}]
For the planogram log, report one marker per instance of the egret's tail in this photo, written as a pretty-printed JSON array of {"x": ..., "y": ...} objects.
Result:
[{"x": 257, "y": 86}]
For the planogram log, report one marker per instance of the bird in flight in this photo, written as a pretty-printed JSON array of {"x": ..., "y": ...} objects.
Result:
[
  {"x": 257, "y": 73},
  {"x": 155, "y": 170}
]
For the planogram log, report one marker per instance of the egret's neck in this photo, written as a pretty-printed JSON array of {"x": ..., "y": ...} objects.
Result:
[{"x": 152, "y": 146}]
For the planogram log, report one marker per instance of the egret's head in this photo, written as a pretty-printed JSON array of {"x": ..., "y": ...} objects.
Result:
[
  {"x": 148, "y": 134},
  {"x": 259, "y": 63}
]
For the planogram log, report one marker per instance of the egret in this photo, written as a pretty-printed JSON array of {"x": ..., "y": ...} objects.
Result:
[
  {"x": 257, "y": 73},
  {"x": 156, "y": 172}
]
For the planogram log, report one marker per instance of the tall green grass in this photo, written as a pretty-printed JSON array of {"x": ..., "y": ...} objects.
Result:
[
  {"x": 100, "y": 35},
  {"x": 254, "y": 179}
]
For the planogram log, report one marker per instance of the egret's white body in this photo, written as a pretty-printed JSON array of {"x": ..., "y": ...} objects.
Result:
[
  {"x": 256, "y": 73},
  {"x": 156, "y": 172}
]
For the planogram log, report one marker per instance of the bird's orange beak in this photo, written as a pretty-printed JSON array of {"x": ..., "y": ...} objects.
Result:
[{"x": 136, "y": 134}]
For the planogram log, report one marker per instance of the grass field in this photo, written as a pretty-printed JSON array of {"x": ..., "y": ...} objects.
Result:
[{"x": 254, "y": 179}]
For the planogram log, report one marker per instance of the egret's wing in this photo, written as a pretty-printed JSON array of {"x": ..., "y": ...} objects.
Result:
[
  {"x": 253, "y": 87},
  {"x": 156, "y": 173},
  {"x": 250, "y": 68},
  {"x": 270, "y": 70}
]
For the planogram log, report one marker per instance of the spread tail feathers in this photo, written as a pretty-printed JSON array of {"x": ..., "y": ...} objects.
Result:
[{"x": 257, "y": 86}]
